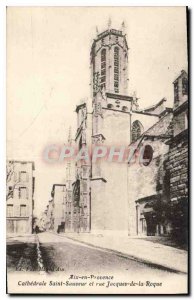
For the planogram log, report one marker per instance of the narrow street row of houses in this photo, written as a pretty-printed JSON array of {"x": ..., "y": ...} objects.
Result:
[
  {"x": 20, "y": 196},
  {"x": 55, "y": 214}
]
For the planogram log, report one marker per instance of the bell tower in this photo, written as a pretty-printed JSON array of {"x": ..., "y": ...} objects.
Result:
[
  {"x": 109, "y": 62},
  {"x": 111, "y": 119}
]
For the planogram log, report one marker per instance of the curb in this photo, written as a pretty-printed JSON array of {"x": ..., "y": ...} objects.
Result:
[{"x": 39, "y": 258}]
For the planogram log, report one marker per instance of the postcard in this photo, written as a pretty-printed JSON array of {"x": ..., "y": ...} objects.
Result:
[{"x": 97, "y": 150}]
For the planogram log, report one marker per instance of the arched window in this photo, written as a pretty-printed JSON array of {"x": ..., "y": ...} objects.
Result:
[
  {"x": 80, "y": 143},
  {"x": 109, "y": 106},
  {"x": 124, "y": 108},
  {"x": 116, "y": 69},
  {"x": 137, "y": 130},
  {"x": 103, "y": 68},
  {"x": 147, "y": 155}
]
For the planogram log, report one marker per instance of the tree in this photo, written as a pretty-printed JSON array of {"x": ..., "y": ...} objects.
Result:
[
  {"x": 10, "y": 182},
  {"x": 179, "y": 219}
]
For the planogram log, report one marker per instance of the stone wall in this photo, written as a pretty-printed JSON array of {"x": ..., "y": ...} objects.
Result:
[
  {"x": 178, "y": 167},
  {"x": 180, "y": 122},
  {"x": 109, "y": 191},
  {"x": 146, "y": 182}
]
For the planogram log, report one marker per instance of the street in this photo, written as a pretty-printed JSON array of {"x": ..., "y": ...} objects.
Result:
[
  {"x": 63, "y": 254},
  {"x": 71, "y": 256},
  {"x": 56, "y": 260}
]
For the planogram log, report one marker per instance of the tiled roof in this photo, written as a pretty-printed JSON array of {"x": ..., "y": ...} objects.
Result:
[{"x": 162, "y": 128}]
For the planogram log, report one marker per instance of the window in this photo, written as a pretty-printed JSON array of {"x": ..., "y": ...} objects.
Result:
[
  {"x": 15, "y": 176},
  {"x": 103, "y": 68},
  {"x": 23, "y": 176},
  {"x": 147, "y": 155},
  {"x": 103, "y": 73},
  {"x": 80, "y": 143},
  {"x": 85, "y": 172},
  {"x": 10, "y": 189},
  {"x": 103, "y": 65},
  {"x": 186, "y": 120},
  {"x": 23, "y": 193},
  {"x": 116, "y": 63},
  {"x": 124, "y": 108},
  {"x": 10, "y": 210},
  {"x": 185, "y": 86},
  {"x": 23, "y": 211},
  {"x": 103, "y": 80},
  {"x": 176, "y": 94},
  {"x": 84, "y": 186},
  {"x": 116, "y": 69},
  {"x": 110, "y": 105},
  {"x": 116, "y": 77},
  {"x": 137, "y": 130}
]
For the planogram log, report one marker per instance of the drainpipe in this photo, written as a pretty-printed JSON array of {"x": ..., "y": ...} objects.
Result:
[{"x": 137, "y": 221}]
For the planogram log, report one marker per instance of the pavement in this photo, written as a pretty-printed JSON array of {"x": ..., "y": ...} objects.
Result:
[
  {"x": 64, "y": 254},
  {"x": 144, "y": 251},
  {"x": 21, "y": 250}
]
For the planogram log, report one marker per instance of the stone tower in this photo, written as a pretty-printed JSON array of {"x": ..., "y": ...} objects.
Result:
[
  {"x": 109, "y": 62},
  {"x": 101, "y": 194},
  {"x": 111, "y": 108}
]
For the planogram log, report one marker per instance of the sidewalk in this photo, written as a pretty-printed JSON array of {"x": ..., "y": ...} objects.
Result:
[
  {"x": 25, "y": 238},
  {"x": 139, "y": 249}
]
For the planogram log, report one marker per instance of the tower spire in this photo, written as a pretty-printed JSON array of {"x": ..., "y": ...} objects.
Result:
[
  {"x": 109, "y": 23},
  {"x": 123, "y": 27},
  {"x": 135, "y": 100}
]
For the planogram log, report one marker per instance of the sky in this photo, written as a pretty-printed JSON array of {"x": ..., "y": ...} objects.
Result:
[{"x": 48, "y": 55}]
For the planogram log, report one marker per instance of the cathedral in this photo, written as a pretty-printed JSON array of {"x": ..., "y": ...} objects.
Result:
[{"x": 123, "y": 198}]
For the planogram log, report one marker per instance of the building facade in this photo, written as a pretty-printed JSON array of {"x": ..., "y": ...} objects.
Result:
[
  {"x": 42, "y": 221},
  {"x": 148, "y": 182},
  {"x": 70, "y": 178},
  {"x": 103, "y": 198},
  {"x": 57, "y": 219},
  {"x": 177, "y": 165},
  {"x": 127, "y": 197},
  {"x": 20, "y": 192},
  {"x": 49, "y": 221}
]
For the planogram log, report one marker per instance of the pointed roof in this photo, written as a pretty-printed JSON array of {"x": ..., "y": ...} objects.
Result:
[
  {"x": 182, "y": 74},
  {"x": 155, "y": 108},
  {"x": 162, "y": 128}
]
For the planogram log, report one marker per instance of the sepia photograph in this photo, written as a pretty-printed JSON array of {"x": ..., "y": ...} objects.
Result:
[{"x": 97, "y": 136}]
